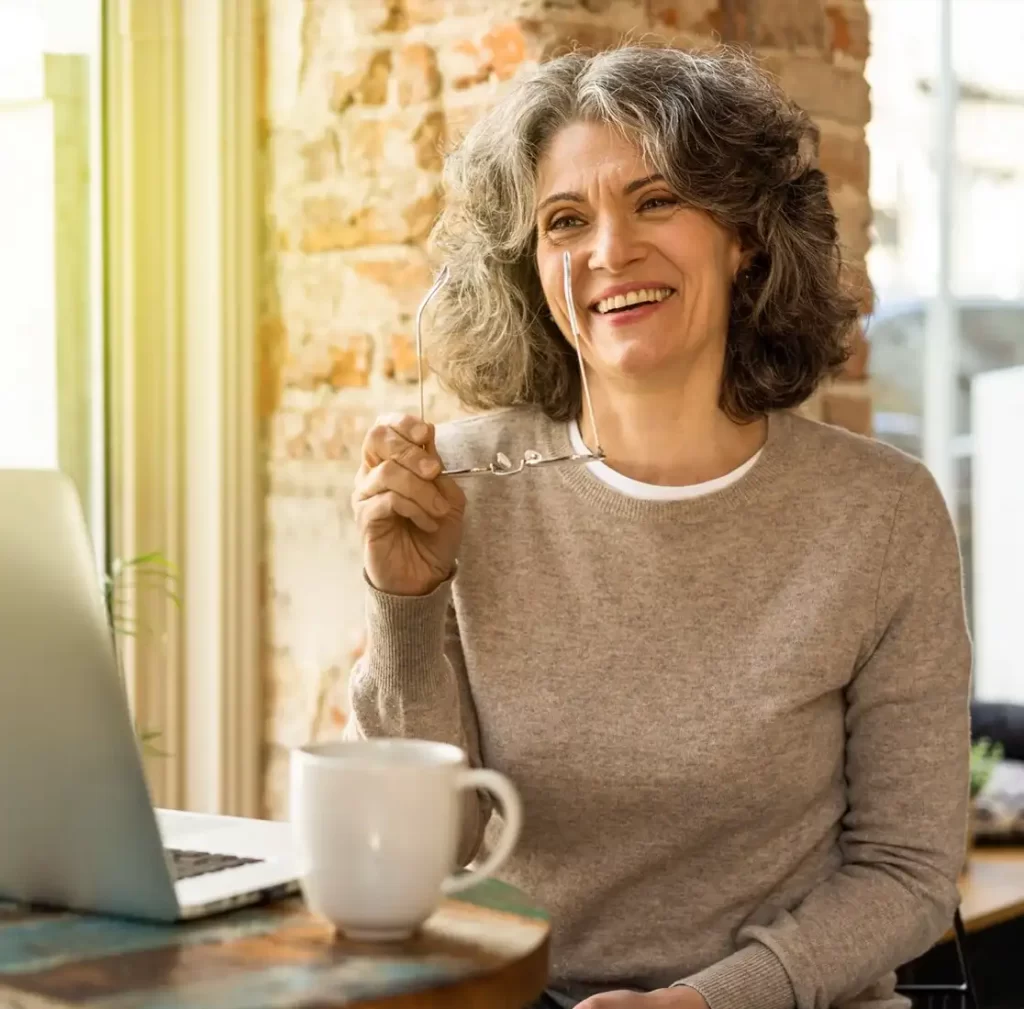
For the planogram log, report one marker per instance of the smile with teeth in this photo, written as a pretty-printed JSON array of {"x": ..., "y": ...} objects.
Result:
[{"x": 646, "y": 296}]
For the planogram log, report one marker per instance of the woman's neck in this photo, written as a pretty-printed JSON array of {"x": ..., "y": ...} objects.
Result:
[{"x": 669, "y": 438}]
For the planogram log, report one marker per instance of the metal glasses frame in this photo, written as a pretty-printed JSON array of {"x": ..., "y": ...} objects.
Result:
[{"x": 502, "y": 465}]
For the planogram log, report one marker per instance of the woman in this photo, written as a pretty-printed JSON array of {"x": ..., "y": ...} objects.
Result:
[{"x": 727, "y": 666}]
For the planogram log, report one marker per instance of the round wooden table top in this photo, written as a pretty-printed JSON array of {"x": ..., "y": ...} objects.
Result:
[{"x": 485, "y": 949}]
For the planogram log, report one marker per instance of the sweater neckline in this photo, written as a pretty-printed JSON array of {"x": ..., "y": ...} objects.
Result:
[{"x": 769, "y": 463}]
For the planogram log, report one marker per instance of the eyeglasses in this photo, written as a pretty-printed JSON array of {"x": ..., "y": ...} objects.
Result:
[{"x": 502, "y": 465}]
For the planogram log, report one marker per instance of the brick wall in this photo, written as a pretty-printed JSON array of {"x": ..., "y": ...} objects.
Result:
[{"x": 361, "y": 95}]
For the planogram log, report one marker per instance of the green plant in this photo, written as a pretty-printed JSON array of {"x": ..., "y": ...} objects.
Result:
[
  {"x": 985, "y": 755},
  {"x": 150, "y": 571}
]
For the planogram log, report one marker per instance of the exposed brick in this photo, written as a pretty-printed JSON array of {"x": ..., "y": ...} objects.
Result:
[
  {"x": 843, "y": 156},
  {"x": 464, "y": 107},
  {"x": 854, "y": 213},
  {"x": 587, "y": 37},
  {"x": 287, "y": 434},
  {"x": 784, "y": 24},
  {"x": 361, "y": 18},
  {"x": 383, "y": 148},
  {"x": 398, "y": 213},
  {"x": 343, "y": 361},
  {"x": 322, "y": 433},
  {"x": 290, "y": 700},
  {"x": 419, "y": 79},
  {"x": 428, "y": 139},
  {"x": 425, "y": 12},
  {"x": 855, "y": 276},
  {"x": 327, "y": 223},
  {"x": 365, "y": 83},
  {"x": 731, "y": 22},
  {"x": 504, "y": 48},
  {"x": 322, "y": 157},
  {"x": 276, "y": 777},
  {"x": 313, "y": 16},
  {"x": 463, "y": 64},
  {"x": 825, "y": 91},
  {"x": 420, "y": 214},
  {"x": 337, "y": 434},
  {"x": 857, "y": 364},
  {"x": 848, "y": 405},
  {"x": 363, "y": 142},
  {"x": 685, "y": 15},
  {"x": 849, "y": 31},
  {"x": 812, "y": 407},
  {"x": 397, "y": 273},
  {"x": 401, "y": 363},
  {"x": 498, "y": 54}
]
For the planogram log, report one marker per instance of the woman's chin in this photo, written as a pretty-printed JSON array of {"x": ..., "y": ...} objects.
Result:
[{"x": 639, "y": 362}]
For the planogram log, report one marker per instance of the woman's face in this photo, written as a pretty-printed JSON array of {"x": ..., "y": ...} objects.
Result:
[{"x": 651, "y": 278}]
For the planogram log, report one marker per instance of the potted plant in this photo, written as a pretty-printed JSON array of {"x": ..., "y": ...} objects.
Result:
[
  {"x": 150, "y": 571},
  {"x": 985, "y": 756}
]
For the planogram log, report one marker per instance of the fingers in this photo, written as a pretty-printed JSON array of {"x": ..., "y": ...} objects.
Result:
[
  {"x": 382, "y": 508},
  {"x": 452, "y": 492},
  {"x": 406, "y": 440},
  {"x": 400, "y": 475},
  {"x": 400, "y": 464},
  {"x": 391, "y": 477}
]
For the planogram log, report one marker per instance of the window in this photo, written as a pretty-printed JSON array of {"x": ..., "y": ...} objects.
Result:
[
  {"x": 51, "y": 268},
  {"x": 981, "y": 388}
]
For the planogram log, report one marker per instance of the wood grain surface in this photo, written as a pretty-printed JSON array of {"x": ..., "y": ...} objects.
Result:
[{"x": 488, "y": 948}]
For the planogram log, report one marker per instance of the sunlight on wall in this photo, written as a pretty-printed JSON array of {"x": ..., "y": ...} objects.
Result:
[
  {"x": 21, "y": 51},
  {"x": 28, "y": 353}
]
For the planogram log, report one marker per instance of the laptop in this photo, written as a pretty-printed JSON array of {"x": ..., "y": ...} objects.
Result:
[{"x": 77, "y": 826}]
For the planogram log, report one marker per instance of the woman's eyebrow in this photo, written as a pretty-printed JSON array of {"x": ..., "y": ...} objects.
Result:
[{"x": 572, "y": 197}]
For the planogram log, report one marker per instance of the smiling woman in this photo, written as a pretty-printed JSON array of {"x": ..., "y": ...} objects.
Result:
[
  {"x": 733, "y": 166},
  {"x": 726, "y": 663}
]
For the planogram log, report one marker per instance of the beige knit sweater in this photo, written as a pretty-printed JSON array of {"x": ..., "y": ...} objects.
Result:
[{"x": 739, "y": 722}]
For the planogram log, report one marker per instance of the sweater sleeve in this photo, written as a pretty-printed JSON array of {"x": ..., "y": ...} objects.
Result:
[
  {"x": 903, "y": 836},
  {"x": 411, "y": 683}
]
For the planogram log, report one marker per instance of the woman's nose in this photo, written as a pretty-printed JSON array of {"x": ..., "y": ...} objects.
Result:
[{"x": 615, "y": 246}]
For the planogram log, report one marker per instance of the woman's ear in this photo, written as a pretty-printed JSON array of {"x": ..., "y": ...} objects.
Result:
[{"x": 742, "y": 258}]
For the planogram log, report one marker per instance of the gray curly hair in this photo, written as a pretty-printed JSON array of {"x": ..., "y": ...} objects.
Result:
[{"x": 728, "y": 141}]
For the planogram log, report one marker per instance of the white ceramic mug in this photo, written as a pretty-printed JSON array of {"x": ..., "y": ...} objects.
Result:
[{"x": 377, "y": 825}]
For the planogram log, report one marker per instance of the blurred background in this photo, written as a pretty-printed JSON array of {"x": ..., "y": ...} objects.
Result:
[{"x": 213, "y": 224}]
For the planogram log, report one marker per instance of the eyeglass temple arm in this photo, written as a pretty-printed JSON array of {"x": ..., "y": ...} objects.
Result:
[
  {"x": 570, "y": 304},
  {"x": 442, "y": 279}
]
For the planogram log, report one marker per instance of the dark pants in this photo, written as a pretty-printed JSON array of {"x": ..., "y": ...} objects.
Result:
[{"x": 550, "y": 1000}]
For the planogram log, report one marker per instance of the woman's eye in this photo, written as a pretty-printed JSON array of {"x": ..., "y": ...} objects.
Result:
[
  {"x": 561, "y": 223},
  {"x": 658, "y": 202}
]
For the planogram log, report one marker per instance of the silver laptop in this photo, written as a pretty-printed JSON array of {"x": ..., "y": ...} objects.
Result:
[{"x": 77, "y": 826}]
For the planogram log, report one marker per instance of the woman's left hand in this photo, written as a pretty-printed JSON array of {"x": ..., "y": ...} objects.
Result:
[{"x": 680, "y": 997}]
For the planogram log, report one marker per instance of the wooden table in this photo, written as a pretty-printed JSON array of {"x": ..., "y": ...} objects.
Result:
[
  {"x": 992, "y": 889},
  {"x": 488, "y": 949}
]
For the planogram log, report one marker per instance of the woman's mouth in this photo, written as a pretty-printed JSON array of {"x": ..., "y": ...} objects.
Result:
[{"x": 622, "y": 309}]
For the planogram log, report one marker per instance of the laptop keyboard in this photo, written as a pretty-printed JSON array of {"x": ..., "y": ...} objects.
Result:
[{"x": 188, "y": 864}]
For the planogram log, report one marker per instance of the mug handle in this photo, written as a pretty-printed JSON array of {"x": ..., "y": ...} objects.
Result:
[{"x": 512, "y": 810}]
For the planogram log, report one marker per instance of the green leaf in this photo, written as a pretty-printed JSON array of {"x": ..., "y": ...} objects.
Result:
[
  {"x": 985, "y": 756},
  {"x": 155, "y": 558},
  {"x": 146, "y": 737},
  {"x": 143, "y": 573}
]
